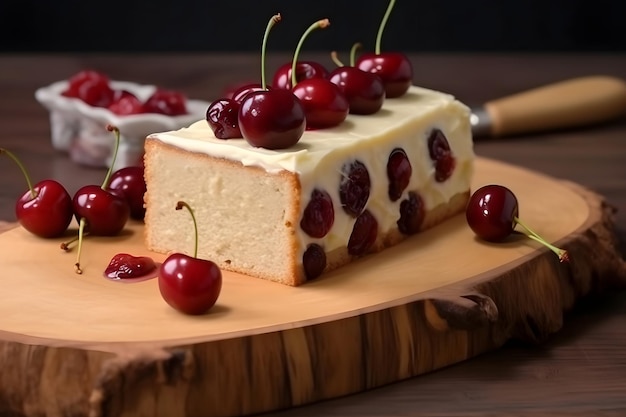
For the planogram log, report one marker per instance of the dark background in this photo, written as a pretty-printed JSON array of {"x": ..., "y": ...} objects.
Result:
[{"x": 238, "y": 25}]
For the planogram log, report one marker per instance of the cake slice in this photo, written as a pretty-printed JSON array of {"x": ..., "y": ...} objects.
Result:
[{"x": 338, "y": 194}]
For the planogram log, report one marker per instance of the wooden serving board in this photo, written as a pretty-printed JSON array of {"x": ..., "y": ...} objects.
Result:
[{"x": 83, "y": 345}]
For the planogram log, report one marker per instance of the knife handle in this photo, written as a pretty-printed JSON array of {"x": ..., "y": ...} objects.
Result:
[{"x": 566, "y": 104}]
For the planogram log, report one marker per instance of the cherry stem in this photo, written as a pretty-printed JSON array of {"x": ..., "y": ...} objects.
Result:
[
  {"x": 15, "y": 159},
  {"x": 353, "y": 50},
  {"x": 320, "y": 24},
  {"x": 107, "y": 178},
  {"x": 274, "y": 19},
  {"x": 561, "y": 253},
  {"x": 81, "y": 229},
  {"x": 383, "y": 23},
  {"x": 66, "y": 245},
  {"x": 335, "y": 58},
  {"x": 179, "y": 206}
]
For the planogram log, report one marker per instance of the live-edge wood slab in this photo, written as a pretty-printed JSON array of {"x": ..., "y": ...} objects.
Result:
[{"x": 74, "y": 345}]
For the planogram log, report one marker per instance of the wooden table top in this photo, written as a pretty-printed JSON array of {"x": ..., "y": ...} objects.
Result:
[{"x": 579, "y": 371}]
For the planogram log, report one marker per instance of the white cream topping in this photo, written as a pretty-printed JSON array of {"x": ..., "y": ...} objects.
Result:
[{"x": 318, "y": 157}]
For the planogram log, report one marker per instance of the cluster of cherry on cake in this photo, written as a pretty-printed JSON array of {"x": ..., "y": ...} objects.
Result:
[{"x": 305, "y": 95}]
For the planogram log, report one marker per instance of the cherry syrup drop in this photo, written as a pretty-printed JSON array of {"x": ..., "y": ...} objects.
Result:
[{"x": 129, "y": 268}]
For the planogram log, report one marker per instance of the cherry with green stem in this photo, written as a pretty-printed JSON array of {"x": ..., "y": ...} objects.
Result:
[
  {"x": 394, "y": 68},
  {"x": 99, "y": 210},
  {"x": 493, "y": 212},
  {"x": 364, "y": 91},
  {"x": 324, "y": 103},
  {"x": 271, "y": 118},
  {"x": 187, "y": 283},
  {"x": 45, "y": 209}
]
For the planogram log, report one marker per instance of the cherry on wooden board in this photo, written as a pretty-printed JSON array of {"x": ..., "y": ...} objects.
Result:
[
  {"x": 45, "y": 209},
  {"x": 187, "y": 283},
  {"x": 493, "y": 212}
]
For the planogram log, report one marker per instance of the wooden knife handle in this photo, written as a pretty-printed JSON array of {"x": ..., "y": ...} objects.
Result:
[{"x": 566, "y": 104}]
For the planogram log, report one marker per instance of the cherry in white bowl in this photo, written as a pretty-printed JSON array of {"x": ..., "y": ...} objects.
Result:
[{"x": 78, "y": 126}]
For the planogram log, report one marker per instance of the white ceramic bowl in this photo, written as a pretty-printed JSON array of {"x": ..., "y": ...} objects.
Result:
[{"x": 80, "y": 129}]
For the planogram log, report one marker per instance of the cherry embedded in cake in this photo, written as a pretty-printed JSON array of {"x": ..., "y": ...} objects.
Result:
[
  {"x": 441, "y": 155},
  {"x": 295, "y": 214},
  {"x": 412, "y": 214},
  {"x": 313, "y": 261},
  {"x": 354, "y": 187},
  {"x": 398, "y": 173},
  {"x": 363, "y": 234},
  {"x": 319, "y": 215}
]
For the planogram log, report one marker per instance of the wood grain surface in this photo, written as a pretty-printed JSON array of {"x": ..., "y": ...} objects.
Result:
[
  {"x": 437, "y": 299},
  {"x": 432, "y": 265},
  {"x": 581, "y": 370}
]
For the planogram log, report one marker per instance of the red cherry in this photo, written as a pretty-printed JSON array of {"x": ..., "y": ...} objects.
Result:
[
  {"x": 363, "y": 234},
  {"x": 272, "y": 119},
  {"x": 168, "y": 102},
  {"x": 324, "y": 104},
  {"x": 394, "y": 68},
  {"x": 221, "y": 115},
  {"x": 313, "y": 261},
  {"x": 91, "y": 87},
  {"x": 319, "y": 214},
  {"x": 99, "y": 211},
  {"x": 354, "y": 187},
  {"x": 230, "y": 90},
  {"x": 188, "y": 284},
  {"x": 49, "y": 213},
  {"x": 125, "y": 103},
  {"x": 412, "y": 214},
  {"x": 364, "y": 91},
  {"x": 129, "y": 182},
  {"x": 399, "y": 172},
  {"x": 441, "y": 155},
  {"x": 105, "y": 212},
  {"x": 492, "y": 213},
  {"x": 244, "y": 90},
  {"x": 80, "y": 78},
  {"x": 305, "y": 70},
  {"x": 45, "y": 209}
]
